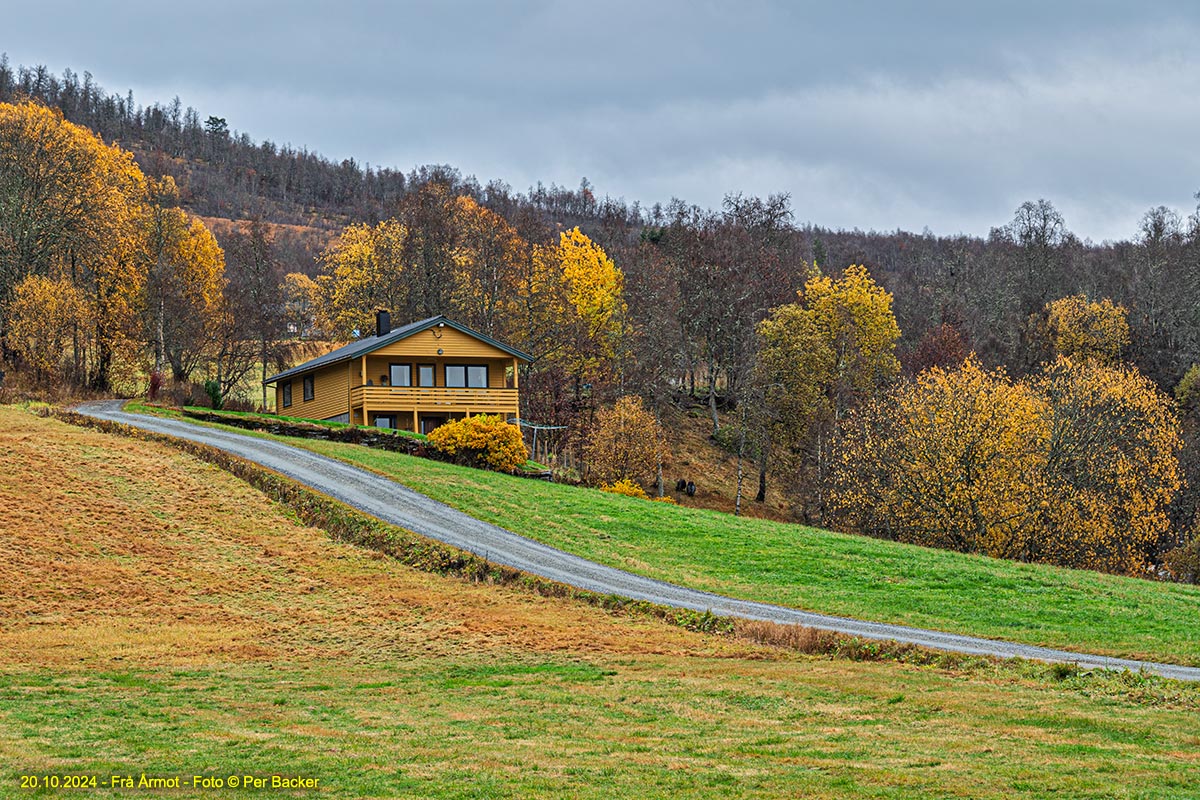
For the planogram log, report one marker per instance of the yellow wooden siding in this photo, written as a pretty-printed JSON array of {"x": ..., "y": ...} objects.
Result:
[
  {"x": 330, "y": 394},
  {"x": 453, "y": 343}
]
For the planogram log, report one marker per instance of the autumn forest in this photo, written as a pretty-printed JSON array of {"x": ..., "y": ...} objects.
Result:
[{"x": 1026, "y": 395}]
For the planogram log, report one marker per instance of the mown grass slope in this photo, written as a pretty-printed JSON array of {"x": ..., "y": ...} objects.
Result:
[
  {"x": 820, "y": 570},
  {"x": 159, "y": 616}
]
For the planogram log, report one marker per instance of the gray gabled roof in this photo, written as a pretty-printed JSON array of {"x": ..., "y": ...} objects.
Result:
[{"x": 373, "y": 343}]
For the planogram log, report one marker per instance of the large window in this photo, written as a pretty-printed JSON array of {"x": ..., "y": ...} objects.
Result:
[
  {"x": 310, "y": 387},
  {"x": 474, "y": 376},
  {"x": 287, "y": 394},
  {"x": 425, "y": 374},
  {"x": 400, "y": 374}
]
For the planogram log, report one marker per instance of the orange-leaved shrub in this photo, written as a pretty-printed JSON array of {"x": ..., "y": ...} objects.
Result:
[
  {"x": 484, "y": 441},
  {"x": 627, "y": 443}
]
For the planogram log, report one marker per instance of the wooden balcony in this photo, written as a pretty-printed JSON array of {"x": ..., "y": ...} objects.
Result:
[{"x": 430, "y": 400}]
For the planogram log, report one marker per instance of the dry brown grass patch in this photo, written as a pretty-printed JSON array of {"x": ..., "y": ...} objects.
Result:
[
  {"x": 120, "y": 549},
  {"x": 792, "y": 637}
]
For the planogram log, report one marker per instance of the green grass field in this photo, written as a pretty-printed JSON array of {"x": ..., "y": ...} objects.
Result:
[
  {"x": 820, "y": 570},
  {"x": 513, "y": 726},
  {"x": 160, "y": 616}
]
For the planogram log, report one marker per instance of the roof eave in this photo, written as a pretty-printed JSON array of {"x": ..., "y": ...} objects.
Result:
[{"x": 384, "y": 341}]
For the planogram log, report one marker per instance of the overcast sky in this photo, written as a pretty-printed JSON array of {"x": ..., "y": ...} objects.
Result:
[{"x": 881, "y": 115}]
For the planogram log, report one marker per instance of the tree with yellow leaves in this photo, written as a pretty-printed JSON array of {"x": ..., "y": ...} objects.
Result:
[
  {"x": 594, "y": 287},
  {"x": 1112, "y": 466},
  {"x": 954, "y": 459},
  {"x": 1075, "y": 467},
  {"x": 363, "y": 271},
  {"x": 40, "y": 320},
  {"x": 1083, "y": 329},
  {"x": 487, "y": 253},
  {"x": 185, "y": 274},
  {"x": 72, "y": 208},
  {"x": 50, "y": 172},
  {"x": 853, "y": 316},
  {"x": 818, "y": 358},
  {"x": 594, "y": 310}
]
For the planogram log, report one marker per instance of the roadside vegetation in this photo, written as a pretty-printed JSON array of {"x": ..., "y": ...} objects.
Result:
[
  {"x": 265, "y": 417},
  {"x": 162, "y": 616}
]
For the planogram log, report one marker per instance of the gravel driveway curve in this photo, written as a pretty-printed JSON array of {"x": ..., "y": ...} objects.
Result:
[{"x": 399, "y": 505}]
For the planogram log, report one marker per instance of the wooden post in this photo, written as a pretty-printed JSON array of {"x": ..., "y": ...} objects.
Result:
[
  {"x": 364, "y": 388},
  {"x": 516, "y": 388}
]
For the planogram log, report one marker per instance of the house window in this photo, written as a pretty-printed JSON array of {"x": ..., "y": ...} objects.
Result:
[
  {"x": 401, "y": 374},
  {"x": 425, "y": 374},
  {"x": 287, "y": 394},
  {"x": 474, "y": 376},
  {"x": 309, "y": 387}
]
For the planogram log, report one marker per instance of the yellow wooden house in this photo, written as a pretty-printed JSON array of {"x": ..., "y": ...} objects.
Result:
[{"x": 415, "y": 378}]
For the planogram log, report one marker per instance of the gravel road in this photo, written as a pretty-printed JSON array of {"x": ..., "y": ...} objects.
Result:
[{"x": 398, "y": 505}]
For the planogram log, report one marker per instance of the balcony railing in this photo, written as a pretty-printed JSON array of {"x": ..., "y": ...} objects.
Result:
[{"x": 406, "y": 398}]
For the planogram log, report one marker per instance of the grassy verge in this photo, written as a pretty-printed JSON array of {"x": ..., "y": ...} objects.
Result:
[
  {"x": 820, "y": 570},
  {"x": 273, "y": 417},
  {"x": 161, "y": 616}
]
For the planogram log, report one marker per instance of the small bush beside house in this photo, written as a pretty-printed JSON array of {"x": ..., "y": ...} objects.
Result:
[{"x": 483, "y": 441}]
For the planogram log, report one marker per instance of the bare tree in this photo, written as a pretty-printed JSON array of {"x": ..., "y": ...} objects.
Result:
[{"x": 256, "y": 290}]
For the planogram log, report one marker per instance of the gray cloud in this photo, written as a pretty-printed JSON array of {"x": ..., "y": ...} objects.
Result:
[{"x": 941, "y": 115}]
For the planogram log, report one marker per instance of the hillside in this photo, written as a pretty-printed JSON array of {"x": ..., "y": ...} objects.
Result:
[
  {"x": 743, "y": 303},
  {"x": 160, "y": 616},
  {"x": 809, "y": 568},
  {"x": 123, "y": 551}
]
